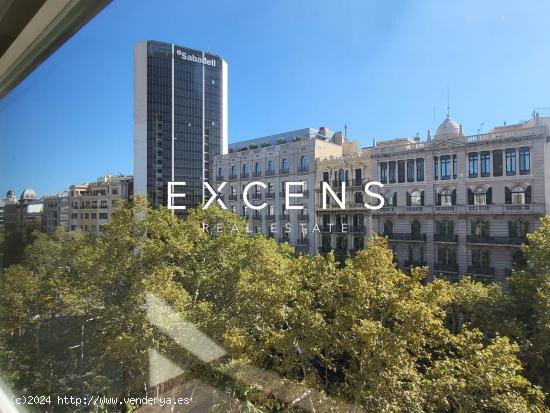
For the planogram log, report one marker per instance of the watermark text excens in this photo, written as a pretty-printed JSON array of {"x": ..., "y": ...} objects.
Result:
[{"x": 291, "y": 193}]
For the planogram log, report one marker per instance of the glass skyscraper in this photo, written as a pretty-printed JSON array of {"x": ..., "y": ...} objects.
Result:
[{"x": 180, "y": 119}]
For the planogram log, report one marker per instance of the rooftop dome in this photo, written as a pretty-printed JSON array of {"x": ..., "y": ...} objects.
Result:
[
  {"x": 28, "y": 194},
  {"x": 11, "y": 197},
  {"x": 448, "y": 129}
]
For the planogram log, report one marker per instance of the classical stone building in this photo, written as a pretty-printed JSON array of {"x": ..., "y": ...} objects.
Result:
[
  {"x": 91, "y": 205},
  {"x": 275, "y": 160},
  {"x": 464, "y": 204},
  {"x": 347, "y": 230}
]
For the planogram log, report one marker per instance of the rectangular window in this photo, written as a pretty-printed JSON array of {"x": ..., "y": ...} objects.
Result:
[
  {"x": 497, "y": 162},
  {"x": 391, "y": 174},
  {"x": 383, "y": 172},
  {"x": 485, "y": 160},
  {"x": 510, "y": 161},
  {"x": 524, "y": 161},
  {"x": 445, "y": 167},
  {"x": 436, "y": 167},
  {"x": 455, "y": 167},
  {"x": 410, "y": 170},
  {"x": 401, "y": 171},
  {"x": 419, "y": 169},
  {"x": 472, "y": 165}
]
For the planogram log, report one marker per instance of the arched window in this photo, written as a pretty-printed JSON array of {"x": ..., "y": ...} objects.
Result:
[
  {"x": 446, "y": 197},
  {"x": 518, "y": 228},
  {"x": 446, "y": 256},
  {"x": 270, "y": 166},
  {"x": 245, "y": 169},
  {"x": 480, "y": 228},
  {"x": 445, "y": 227},
  {"x": 415, "y": 227},
  {"x": 284, "y": 166},
  {"x": 359, "y": 197},
  {"x": 480, "y": 196},
  {"x": 518, "y": 195},
  {"x": 388, "y": 228},
  {"x": 220, "y": 173},
  {"x": 257, "y": 170},
  {"x": 303, "y": 163},
  {"x": 416, "y": 198},
  {"x": 233, "y": 171}
]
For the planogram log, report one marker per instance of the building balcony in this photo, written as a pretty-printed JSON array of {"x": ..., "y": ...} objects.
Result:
[
  {"x": 474, "y": 239},
  {"x": 283, "y": 217},
  {"x": 517, "y": 208},
  {"x": 219, "y": 178},
  {"x": 270, "y": 195},
  {"x": 270, "y": 217},
  {"x": 414, "y": 209},
  {"x": 482, "y": 270},
  {"x": 445, "y": 208},
  {"x": 232, "y": 197},
  {"x": 358, "y": 229},
  {"x": 256, "y": 174},
  {"x": 256, "y": 195},
  {"x": 358, "y": 183},
  {"x": 303, "y": 217},
  {"x": 506, "y": 208},
  {"x": 446, "y": 267},
  {"x": 302, "y": 169},
  {"x": 445, "y": 238},
  {"x": 232, "y": 177},
  {"x": 338, "y": 183},
  {"x": 386, "y": 210},
  {"x": 282, "y": 194},
  {"x": 284, "y": 171},
  {"x": 304, "y": 242},
  {"x": 256, "y": 216},
  {"x": 269, "y": 173},
  {"x": 406, "y": 236},
  {"x": 341, "y": 252},
  {"x": 245, "y": 175}
]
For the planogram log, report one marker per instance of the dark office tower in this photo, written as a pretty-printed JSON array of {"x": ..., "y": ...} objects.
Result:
[{"x": 180, "y": 119}]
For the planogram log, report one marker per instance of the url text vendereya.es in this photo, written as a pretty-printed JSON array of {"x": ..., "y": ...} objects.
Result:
[{"x": 99, "y": 400}]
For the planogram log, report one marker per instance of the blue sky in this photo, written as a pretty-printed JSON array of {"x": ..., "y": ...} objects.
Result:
[{"x": 381, "y": 67}]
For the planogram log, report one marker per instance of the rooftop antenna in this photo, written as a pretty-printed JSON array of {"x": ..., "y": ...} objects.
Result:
[{"x": 480, "y": 127}]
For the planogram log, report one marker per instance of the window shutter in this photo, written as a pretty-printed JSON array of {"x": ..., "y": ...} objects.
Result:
[
  {"x": 453, "y": 197},
  {"x": 438, "y": 199},
  {"x": 470, "y": 197},
  {"x": 422, "y": 198},
  {"x": 507, "y": 195},
  {"x": 394, "y": 199},
  {"x": 408, "y": 199},
  {"x": 489, "y": 196},
  {"x": 528, "y": 195}
]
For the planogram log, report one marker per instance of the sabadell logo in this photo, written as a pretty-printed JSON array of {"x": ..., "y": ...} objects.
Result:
[{"x": 193, "y": 58}]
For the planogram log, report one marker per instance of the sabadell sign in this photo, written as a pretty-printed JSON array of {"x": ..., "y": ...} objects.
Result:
[{"x": 192, "y": 58}]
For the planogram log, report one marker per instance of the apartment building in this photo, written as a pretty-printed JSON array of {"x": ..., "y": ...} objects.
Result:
[
  {"x": 91, "y": 205},
  {"x": 464, "y": 204},
  {"x": 275, "y": 160},
  {"x": 344, "y": 231},
  {"x": 56, "y": 212}
]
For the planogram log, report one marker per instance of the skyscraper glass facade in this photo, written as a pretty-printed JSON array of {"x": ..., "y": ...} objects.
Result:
[{"x": 183, "y": 118}]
